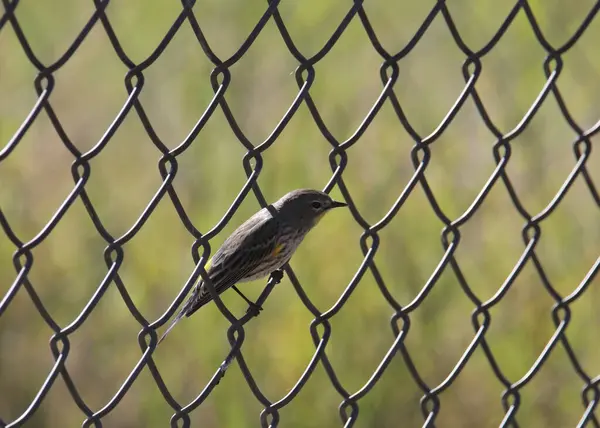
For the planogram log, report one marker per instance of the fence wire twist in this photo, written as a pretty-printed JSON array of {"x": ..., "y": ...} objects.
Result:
[{"x": 320, "y": 328}]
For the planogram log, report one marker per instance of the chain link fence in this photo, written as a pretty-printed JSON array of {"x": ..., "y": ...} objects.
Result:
[{"x": 255, "y": 157}]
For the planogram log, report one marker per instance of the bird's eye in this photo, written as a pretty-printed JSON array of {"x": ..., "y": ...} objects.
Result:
[{"x": 316, "y": 205}]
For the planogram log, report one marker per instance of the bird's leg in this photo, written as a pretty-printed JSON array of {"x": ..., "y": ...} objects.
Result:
[{"x": 253, "y": 306}]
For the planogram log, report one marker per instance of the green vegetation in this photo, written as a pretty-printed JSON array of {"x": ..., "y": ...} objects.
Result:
[{"x": 68, "y": 266}]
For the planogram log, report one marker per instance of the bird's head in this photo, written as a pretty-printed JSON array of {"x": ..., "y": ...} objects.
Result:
[{"x": 305, "y": 207}]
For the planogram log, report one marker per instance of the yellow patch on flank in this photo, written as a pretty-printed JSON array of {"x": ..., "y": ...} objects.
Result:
[
  {"x": 207, "y": 265},
  {"x": 277, "y": 249}
]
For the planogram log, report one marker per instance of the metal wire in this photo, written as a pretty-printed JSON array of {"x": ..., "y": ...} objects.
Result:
[{"x": 320, "y": 327}]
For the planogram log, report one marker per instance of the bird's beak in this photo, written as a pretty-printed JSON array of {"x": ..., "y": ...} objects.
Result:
[{"x": 336, "y": 204}]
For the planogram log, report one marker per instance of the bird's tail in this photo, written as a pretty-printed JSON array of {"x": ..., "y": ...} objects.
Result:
[{"x": 179, "y": 315}]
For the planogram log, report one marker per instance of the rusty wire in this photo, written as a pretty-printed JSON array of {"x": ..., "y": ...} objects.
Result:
[{"x": 320, "y": 328}]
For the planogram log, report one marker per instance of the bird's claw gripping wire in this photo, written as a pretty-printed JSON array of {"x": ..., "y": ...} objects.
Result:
[
  {"x": 253, "y": 309},
  {"x": 277, "y": 275}
]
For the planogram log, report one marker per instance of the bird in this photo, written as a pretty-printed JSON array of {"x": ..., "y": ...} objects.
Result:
[{"x": 260, "y": 246}]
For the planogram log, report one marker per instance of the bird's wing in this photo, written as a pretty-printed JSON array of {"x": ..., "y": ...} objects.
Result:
[{"x": 239, "y": 255}]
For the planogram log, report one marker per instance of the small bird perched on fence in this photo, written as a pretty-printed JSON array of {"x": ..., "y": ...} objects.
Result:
[{"x": 260, "y": 246}]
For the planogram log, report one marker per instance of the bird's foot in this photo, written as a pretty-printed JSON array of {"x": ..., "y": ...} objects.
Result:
[
  {"x": 254, "y": 309},
  {"x": 277, "y": 276}
]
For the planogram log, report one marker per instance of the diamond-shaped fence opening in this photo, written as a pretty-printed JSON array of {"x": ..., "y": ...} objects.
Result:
[{"x": 132, "y": 132}]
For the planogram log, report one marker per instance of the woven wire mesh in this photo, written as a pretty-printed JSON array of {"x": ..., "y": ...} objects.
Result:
[{"x": 321, "y": 328}]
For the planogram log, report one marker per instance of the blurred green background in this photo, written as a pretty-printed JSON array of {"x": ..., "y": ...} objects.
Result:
[{"x": 69, "y": 265}]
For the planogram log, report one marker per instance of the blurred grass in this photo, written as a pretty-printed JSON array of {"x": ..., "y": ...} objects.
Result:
[{"x": 69, "y": 264}]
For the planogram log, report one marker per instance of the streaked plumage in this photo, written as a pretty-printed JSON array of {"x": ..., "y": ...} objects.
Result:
[{"x": 261, "y": 245}]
